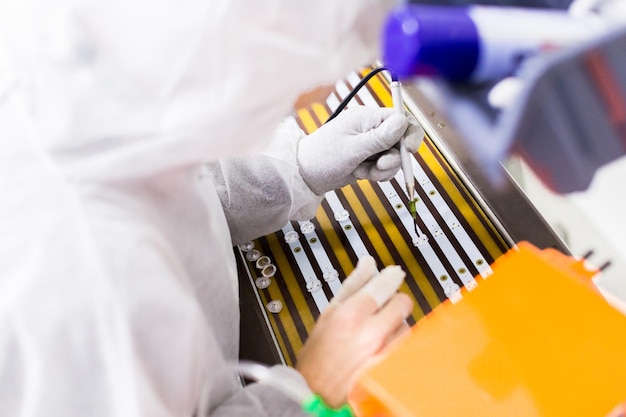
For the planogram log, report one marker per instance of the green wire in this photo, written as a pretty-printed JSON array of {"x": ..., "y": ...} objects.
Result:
[
  {"x": 412, "y": 209},
  {"x": 315, "y": 406}
]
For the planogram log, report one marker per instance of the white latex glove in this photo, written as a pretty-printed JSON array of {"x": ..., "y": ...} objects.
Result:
[
  {"x": 357, "y": 144},
  {"x": 366, "y": 315}
]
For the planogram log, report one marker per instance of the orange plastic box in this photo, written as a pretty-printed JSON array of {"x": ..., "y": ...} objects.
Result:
[{"x": 533, "y": 339}]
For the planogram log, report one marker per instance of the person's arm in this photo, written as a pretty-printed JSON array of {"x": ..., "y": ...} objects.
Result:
[
  {"x": 361, "y": 320},
  {"x": 287, "y": 181},
  {"x": 257, "y": 398},
  {"x": 261, "y": 193}
]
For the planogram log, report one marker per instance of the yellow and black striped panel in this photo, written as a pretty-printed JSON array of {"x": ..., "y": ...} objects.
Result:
[{"x": 377, "y": 224}]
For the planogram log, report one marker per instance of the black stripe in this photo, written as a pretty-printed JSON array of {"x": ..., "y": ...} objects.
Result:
[{"x": 391, "y": 247}]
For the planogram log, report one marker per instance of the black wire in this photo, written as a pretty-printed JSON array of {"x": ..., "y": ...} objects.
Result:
[{"x": 356, "y": 89}]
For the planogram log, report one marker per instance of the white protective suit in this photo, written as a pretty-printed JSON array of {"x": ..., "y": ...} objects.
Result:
[{"x": 118, "y": 292}]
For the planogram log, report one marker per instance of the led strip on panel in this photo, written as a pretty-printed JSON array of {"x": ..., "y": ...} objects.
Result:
[
  {"x": 313, "y": 284},
  {"x": 330, "y": 274},
  {"x": 347, "y": 226}
]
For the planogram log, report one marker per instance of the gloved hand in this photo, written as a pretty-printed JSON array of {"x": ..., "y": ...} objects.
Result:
[
  {"x": 357, "y": 144},
  {"x": 366, "y": 315}
]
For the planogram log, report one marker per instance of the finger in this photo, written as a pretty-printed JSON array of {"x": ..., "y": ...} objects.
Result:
[
  {"x": 363, "y": 170},
  {"x": 414, "y": 135},
  {"x": 385, "y": 135},
  {"x": 386, "y": 175},
  {"x": 389, "y": 160},
  {"x": 368, "y": 117},
  {"x": 399, "y": 331},
  {"x": 391, "y": 316},
  {"x": 384, "y": 285},
  {"x": 370, "y": 172},
  {"x": 365, "y": 269}
]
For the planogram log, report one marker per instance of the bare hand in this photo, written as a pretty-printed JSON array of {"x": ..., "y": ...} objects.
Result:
[{"x": 363, "y": 318}]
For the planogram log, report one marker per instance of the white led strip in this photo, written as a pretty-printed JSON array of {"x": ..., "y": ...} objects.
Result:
[
  {"x": 447, "y": 284},
  {"x": 451, "y": 220},
  {"x": 313, "y": 284},
  {"x": 332, "y": 102},
  {"x": 347, "y": 226},
  {"x": 330, "y": 274}
]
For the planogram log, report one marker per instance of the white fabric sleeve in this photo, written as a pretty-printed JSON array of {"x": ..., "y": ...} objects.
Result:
[
  {"x": 261, "y": 193},
  {"x": 261, "y": 399}
]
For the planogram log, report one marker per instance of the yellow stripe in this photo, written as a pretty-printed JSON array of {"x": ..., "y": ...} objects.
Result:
[
  {"x": 288, "y": 275},
  {"x": 290, "y": 280},
  {"x": 320, "y": 112},
  {"x": 459, "y": 201},
  {"x": 381, "y": 91},
  {"x": 335, "y": 242},
  {"x": 282, "y": 316},
  {"x": 368, "y": 227},
  {"x": 307, "y": 120}
]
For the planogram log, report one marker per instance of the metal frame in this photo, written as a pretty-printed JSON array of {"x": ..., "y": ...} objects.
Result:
[{"x": 509, "y": 208}]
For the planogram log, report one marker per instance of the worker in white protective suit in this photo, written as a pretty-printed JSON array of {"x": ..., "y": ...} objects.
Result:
[{"x": 118, "y": 286}]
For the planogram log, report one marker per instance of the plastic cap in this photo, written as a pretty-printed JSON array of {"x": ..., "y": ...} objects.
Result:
[{"x": 431, "y": 40}]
